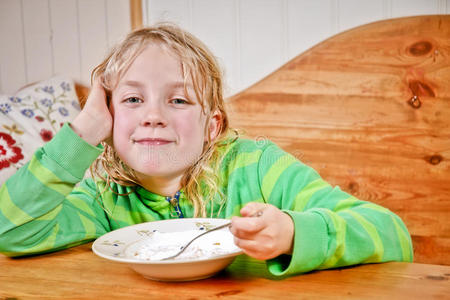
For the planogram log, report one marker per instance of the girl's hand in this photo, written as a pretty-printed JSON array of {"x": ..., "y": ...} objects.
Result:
[
  {"x": 94, "y": 122},
  {"x": 266, "y": 236}
]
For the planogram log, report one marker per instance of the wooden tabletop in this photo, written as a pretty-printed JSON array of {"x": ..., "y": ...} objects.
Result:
[{"x": 78, "y": 273}]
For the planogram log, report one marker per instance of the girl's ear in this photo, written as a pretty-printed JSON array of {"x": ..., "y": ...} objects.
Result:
[{"x": 215, "y": 123}]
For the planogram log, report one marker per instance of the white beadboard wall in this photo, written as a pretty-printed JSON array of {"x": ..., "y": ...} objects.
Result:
[
  {"x": 42, "y": 38},
  {"x": 252, "y": 38}
]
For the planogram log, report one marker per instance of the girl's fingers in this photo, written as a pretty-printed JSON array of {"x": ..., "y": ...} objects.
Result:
[
  {"x": 97, "y": 92},
  {"x": 94, "y": 122},
  {"x": 266, "y": 236},
  {"x": 244, "y": 227},
  {"x": 97, "y": 84},
  {"x": 257, "y": 250},
  {"x": 248, "y": 246},
  {"x": 252, "y": 209},
  {"x": 251, "y": 220}
]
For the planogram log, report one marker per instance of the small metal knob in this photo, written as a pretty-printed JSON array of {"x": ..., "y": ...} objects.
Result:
[{"x": 415, "y": 102}]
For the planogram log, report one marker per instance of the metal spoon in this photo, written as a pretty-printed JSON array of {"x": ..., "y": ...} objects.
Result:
[
  {"x": 202, "y": 234},
  {"x": 257, "y": 214}
]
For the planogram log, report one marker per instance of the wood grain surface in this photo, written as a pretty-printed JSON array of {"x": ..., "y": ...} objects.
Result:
[
  {"x": 77, "y": 273},
  {"x": 369, "y": 109}
]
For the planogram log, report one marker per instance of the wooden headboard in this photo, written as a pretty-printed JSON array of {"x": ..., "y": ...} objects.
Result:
[
  {"x": 82, "y": 92},
  {"x": 369, "y": 109}
]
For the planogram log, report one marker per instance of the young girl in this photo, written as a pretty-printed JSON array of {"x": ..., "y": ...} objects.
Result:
[{"x": 156, "y": 107}]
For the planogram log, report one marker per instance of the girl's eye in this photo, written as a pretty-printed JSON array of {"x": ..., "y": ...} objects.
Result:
[
  {"x": 133, "y": 100},
  {"x": 179, "y": 101}
]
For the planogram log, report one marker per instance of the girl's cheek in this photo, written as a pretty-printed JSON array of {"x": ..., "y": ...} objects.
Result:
[{"x": 121, "y": 125}]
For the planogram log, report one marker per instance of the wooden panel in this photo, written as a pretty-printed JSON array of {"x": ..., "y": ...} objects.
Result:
[
  {"x": 82, "y": 93},
  {"x": 136, "y": 14},
  {"x": 65, "y": 38},
  {"x": 12, "y": 55},
  {"x": 344, "y": 107},
  {"x": 81, "y": 274}
]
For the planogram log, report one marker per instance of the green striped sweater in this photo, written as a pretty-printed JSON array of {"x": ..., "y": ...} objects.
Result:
[{"x": 43, "y": 208}]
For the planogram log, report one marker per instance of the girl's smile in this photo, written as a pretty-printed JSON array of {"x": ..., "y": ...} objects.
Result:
[{"x": 151, "y": 141}]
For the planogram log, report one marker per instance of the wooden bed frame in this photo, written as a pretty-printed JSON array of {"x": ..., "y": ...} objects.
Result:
[{"x": 369, "y": 109}]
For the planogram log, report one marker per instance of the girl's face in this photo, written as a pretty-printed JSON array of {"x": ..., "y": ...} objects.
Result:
[{"x": 159, "y": 131}]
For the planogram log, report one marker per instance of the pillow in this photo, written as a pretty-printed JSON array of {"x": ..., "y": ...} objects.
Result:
[{"x": 31, "y": 117}]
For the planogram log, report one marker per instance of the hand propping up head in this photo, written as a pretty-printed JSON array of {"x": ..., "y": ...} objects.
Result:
[
  {"x": 94, "y": 122},
  {"x": 265, "y": 236}
]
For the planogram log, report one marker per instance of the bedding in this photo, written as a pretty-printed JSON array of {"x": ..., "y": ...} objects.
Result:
[{"x": 31, "y": 117}]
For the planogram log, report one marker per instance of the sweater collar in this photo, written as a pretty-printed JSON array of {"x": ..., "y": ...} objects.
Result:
[{"x": 153, "y": 200}]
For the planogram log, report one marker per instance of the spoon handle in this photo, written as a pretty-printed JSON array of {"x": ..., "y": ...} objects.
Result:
[
  {"x": 202, "y": 234},
  {"x": 257, "y": 214}
]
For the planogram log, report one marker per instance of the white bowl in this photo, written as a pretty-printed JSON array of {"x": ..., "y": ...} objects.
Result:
[{"x": 120, "y": 245}]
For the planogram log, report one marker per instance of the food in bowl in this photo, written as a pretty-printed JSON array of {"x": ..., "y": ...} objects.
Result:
[
  {"x": 164, "y": 244},
  {"x": 122, "y": 245}
]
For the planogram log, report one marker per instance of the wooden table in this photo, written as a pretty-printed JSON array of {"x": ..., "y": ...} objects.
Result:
[{"x": 78, "y": 273}]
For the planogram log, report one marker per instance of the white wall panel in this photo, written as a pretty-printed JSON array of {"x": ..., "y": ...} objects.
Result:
[
  {"x": 308, "y": 22},
  {"x": 93, "y": 35},
  {"x": 208, "y": 17},
  {"x": 117, "y": 25},
  {"x": 12, "y": 54},
  {"x": 267, "y": 33},
  {"x": 42, "y": 38},
  {"x": 261, "y": 38},
  {"x": 176, "y": 11},
  {"x": 401, "y": 8},
  {"x": 251, "y": 38},
  {"x": 353, "y": 13},
  {"x": 65, "y": 38},
  {"x": 38, "y": 49}
]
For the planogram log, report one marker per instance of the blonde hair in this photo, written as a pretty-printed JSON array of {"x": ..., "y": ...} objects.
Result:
[{"x": 201, "y": 180}]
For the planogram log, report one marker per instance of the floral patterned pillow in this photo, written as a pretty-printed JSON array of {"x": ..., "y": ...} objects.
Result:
[{"x": 30, "y": 118}]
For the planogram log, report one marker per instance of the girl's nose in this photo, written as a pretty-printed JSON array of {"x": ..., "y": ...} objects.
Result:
[{"x": 154, "y": 116}]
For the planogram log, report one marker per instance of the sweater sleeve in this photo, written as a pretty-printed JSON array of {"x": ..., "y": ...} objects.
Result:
[
  {"x": 332, "y": 228},
  {"x": 40, "y": 208}
]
